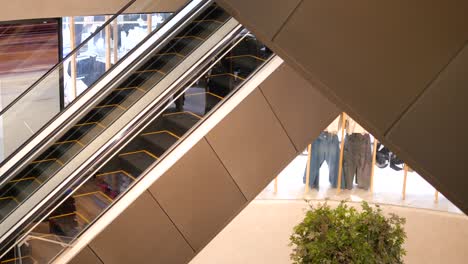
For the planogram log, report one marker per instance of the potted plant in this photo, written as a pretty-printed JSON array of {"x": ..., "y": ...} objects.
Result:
[{"x": 347, "y": 235}]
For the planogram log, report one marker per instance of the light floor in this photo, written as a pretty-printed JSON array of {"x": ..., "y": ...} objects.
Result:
[
  {"x": 388, "y": 187},
  {"x": 260, "y": 234}
]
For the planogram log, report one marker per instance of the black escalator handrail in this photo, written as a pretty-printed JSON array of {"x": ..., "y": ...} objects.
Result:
[
  {"x": 37, "y": 148},
  {"x": 72, "y": 53}
]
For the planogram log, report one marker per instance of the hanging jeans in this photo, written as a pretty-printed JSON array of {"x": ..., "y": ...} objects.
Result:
[
  {"x": 325, "y": 148},
  {"x": 357, "y": 160}
]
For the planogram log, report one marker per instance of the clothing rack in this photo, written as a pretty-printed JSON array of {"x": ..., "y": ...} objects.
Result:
[{"x": 340, "y": 164}]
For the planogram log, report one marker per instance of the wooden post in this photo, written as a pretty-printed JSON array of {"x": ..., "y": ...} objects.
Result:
[
  {"x": 72, "y": 59},
  {"x": 108, "y": 45},
  {"x": 149, "y": 23},
  {"x": 116, "y": 40},
  {"x": 276, "y": 185},
  {"x": 309, "y": 154},
  {"x": 340, "y": 165},
  {"x": 405, "y": 169},
  {"x": 374, "y": 155},
  {"x": 436, "y": 197}
]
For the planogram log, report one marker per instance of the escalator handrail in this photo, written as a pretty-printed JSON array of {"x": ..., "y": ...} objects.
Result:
[
  {"x": 89, "y": 232},
  {"x": 72, "y": 53},
  {"x": 40, "y": 140},
  {"x": 7, "y": 233},
  {"x": 148, "y": 114}
]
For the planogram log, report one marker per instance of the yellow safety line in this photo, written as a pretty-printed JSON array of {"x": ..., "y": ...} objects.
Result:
[
  {"x": 111, "y": 105},
  {"x": 208, "y": 20},
  {"x": 24, "y": 179},
  {"x": 9, "y": 197},
  {"x": 158, "y": 71},
  {"x": 160, "y": 132},
  {"x": 62, "y": 215},
  {"x": 82, "y": 217},
  {"x": 92, "y": 193},
  {"x": 139, "y": 151},
  {"x": 45, "y": 160},
  {"x": 68, "y": 141},
  {"x": 84, "y": 194},
  {"x": 184, "y": 112},
  {"x": 114, "y": 172},
  {"x": 74, "y": 213},
  {"x": 210, "y": 93},
  {"x": 13, "y": 259},
  {"x": 195, "y": 37},
  {"x": 130, "y": 88},
  {"x": 170, "y": 53},
  {"x": 247, "y": 55},
  {"x": 230, "y": 74},
  {"x": 89, "y": 123}
]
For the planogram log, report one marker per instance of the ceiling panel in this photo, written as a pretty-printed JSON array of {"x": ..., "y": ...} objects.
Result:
[
  {"x": 301, "y": 109},
  {"x": 375, "y": 57},
  {"x": 433, "y": 132},
  {"x": 199, "y": 195},
  {"x": 142, "y": 234},
  {"x": 264, "y": 17},
  {"x": 252, "y": 144}
]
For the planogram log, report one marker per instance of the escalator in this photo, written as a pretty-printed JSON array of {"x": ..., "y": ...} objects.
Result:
[
  {"x": 61, "y": 189},
  {"x": 140, "y": 83}
]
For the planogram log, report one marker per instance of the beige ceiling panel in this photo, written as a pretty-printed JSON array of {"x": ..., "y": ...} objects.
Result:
[
  {"x": 199, "y": 195},
  {"x": 301, "y": 109},
  {"x": 86, "y": 256},
  {"x": 375, "y": 57},
  {"x": 142, "y": 234},
  {"x": 433, "y": 132},
  {"x": 252, "y": 144},
  {"x": 29, "y": 9},
  {"x": 264, "y": 17}
]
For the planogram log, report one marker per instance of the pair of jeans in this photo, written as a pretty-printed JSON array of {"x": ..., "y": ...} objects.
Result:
[
  {"x": 357, "y": 160},
  {"x": 325, "y": 148}
]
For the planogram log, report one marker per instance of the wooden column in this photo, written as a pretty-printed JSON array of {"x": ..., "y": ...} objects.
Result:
[
  {"x": 436, "y": 197},
  {"x": 115, "y": 30},
  {"x": 149, "y": 23},
  {"x": 374, "y": 155},
  {"x": 276, "y": 185},
  {"x": 309, "y": 154},
  {"x": 340, "y": 165},
  {"x": 405, "y": 169},
  {"x": 108, "y": 45},
  {"x": 73, "y": 76}
]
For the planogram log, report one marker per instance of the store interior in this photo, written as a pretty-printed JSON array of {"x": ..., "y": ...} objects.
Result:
[{"x": 384, "y": 183}]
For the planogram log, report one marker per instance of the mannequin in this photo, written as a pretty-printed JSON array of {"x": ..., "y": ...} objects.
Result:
[
  {"x": 325, "y": 148},
  {"x": 357, "y": 156}
]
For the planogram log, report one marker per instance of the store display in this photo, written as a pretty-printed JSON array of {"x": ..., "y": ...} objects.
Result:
[
  {"x": 357, "y": 160},
  {"x": 357, "y": 156},
  {"x": 325, "y": 148}
]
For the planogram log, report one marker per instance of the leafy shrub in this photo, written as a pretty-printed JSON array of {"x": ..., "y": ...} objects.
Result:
[{"x": 347, "y": 235}]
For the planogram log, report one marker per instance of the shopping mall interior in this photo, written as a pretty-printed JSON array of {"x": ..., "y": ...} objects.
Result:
[{"x": 208, "y": 131}]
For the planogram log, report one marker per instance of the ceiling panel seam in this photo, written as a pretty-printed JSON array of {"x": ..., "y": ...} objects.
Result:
[
  {"x": 93, "y": 252},
  {"x": 277, "y": 118},
  {"x": 287, "y": 20},
  {"x": 426, "y": 88},
  {"x": 170, "y": 219},
  {"x": 226, "y": 169}
]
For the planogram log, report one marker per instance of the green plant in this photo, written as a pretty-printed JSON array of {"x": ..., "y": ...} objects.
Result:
[{"x": 347, "y": 235}]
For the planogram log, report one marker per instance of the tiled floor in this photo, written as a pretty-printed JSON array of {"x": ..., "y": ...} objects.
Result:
[{"x": 388, "y": 186}]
